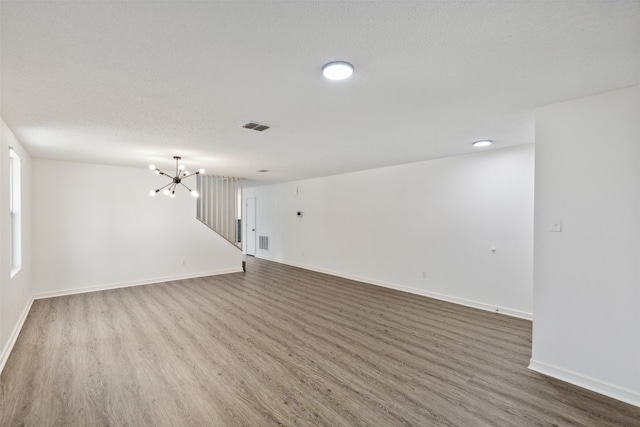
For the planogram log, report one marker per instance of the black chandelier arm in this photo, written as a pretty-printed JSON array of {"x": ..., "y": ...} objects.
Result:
[
  {"x": 164, "y": 187},
  {"x": 185, "y": 186},
  {"x": 161, "y": 172}
]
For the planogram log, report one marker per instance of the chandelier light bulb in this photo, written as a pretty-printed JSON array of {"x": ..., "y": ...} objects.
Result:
[
  {"x": 166, "y": 192},
  {"x": 181, "y": 167},
  {"x": 152, "y": 193},
  {"x": 152, "y": 167},
  {"x": 173, "y": 194},
  {"x": 201, "y": 171},
  {"x": 194, "y": 193}
]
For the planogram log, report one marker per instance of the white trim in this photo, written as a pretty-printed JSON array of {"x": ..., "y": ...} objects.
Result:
[
  {"x": 625, "y": 395},
  {"x": 434, "y": 295},
  {"x": 133, "y": 283},
  {"x": 6, "y": 351}
]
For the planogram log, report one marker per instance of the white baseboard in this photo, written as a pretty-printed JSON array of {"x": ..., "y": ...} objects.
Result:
[
  {"x": 434, "y": 295},
  {"x": 6, "y": 351},
  {"x": 628, "y": 396},
  {"x": 133, "y": 283}
]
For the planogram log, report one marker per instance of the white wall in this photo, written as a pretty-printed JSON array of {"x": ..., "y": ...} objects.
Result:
[
  {"x": 586, "y": 326},
  {"x": 97, "y": 227},
  {"x": 387, "y": 226},
  {"x": 15, "y": 293}
]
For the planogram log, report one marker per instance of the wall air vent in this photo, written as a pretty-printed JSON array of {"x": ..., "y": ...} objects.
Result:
[
  {"x": 255, "y": 126},
  {"x": 263, "y": 243}
]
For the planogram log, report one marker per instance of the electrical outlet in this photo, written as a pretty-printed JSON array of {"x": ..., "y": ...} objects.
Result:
[{"x": 556, "y": 225}]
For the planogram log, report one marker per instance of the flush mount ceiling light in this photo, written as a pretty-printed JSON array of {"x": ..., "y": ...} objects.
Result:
[
  {"x": 483, "y": 143},
  {"x": 181, "y": 175},
  {"x": 337, "y": 70}
]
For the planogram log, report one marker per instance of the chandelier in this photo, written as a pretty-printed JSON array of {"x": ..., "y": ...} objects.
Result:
[{"x": 181, "y": 175}]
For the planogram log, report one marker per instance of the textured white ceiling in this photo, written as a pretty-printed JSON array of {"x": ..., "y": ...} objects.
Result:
[{"x": 133, "y": 83}]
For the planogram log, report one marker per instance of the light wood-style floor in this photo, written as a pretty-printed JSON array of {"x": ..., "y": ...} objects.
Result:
[{"x": 281, "y": 346}]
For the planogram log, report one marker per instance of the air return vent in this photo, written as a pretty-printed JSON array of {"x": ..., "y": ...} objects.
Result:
[
  {"x": 263, "y": 242},
  {"x": 255, "y": 126}
]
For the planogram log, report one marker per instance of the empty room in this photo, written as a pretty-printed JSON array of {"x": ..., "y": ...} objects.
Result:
[{"x": 320, "y": 213}]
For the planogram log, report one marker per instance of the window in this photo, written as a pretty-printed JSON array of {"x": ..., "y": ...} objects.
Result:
[{"x": 14, "y": 207}]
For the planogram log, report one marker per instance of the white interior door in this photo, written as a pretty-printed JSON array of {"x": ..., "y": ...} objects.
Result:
[{"x": 251, "y": 227}]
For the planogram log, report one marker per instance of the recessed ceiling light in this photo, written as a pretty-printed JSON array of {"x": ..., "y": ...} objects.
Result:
[
  {"x": 483, "y": 143},
  {"x": 337, "y": 70}
]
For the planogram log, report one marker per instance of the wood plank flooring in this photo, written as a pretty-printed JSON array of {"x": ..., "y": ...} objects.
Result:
[{"x": 279, "y": 345}]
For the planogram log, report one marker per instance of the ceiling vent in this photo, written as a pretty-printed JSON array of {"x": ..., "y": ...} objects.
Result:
[{"x": 255, "y": 126}]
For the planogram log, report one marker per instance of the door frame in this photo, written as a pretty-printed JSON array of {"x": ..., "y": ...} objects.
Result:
[{"x": 250, "y": 228}]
